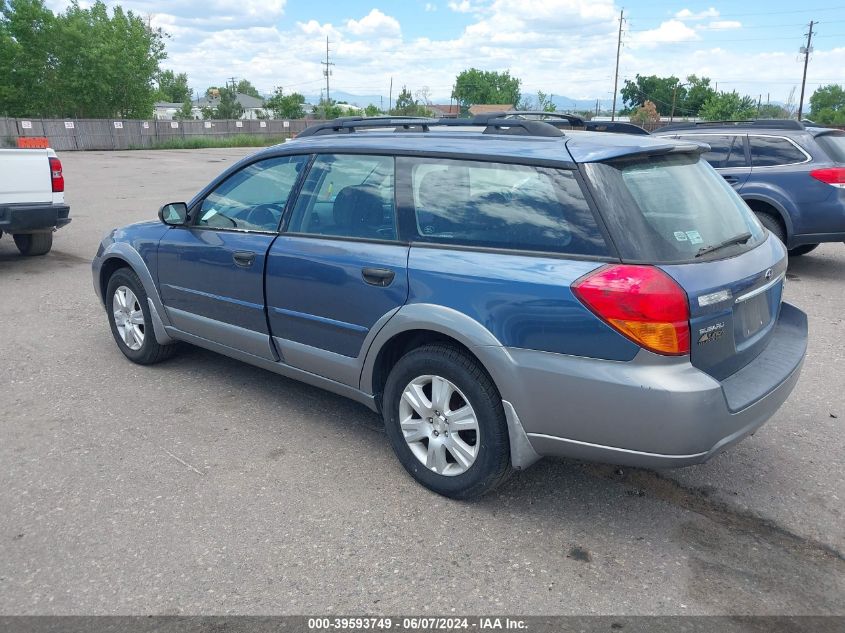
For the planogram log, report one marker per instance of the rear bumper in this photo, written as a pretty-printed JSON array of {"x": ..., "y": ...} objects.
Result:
[
  {"x": 28, "y": 218},
  {"x": 654, "y": 411}
]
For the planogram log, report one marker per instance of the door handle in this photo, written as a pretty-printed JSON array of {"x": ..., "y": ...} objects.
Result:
[
  {"x": 378, "y": 276},
  {"x": 243, "y": 258}
]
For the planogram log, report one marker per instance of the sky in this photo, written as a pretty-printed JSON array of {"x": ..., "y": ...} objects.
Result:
[{"x": 562, "y": 47}]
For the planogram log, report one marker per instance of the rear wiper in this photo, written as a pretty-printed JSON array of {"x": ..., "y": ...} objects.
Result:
[{"x": 742, "y": 238}]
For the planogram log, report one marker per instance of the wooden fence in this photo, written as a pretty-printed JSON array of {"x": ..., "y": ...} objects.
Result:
[{"x": 105, "y": 134}]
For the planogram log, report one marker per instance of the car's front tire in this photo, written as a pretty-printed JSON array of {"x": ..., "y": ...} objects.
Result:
[
  {"x": 33, "y": 244},
  {"x": 130, "y": 319},
  {"x": 445, "y": 420}
]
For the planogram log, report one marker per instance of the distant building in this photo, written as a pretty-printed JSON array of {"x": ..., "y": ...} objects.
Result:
[
  {"x": 487, "y": 108},
  {"x": 164, "y": 111},
  {"x": 445, "y": 111},
  {"x": 253, "y": 106}
]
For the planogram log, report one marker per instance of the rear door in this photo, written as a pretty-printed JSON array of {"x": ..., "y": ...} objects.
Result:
[
  {"x": 728, "y": 155},
  {"x": 338, "y": 271},
  {"x": 211, "y": 273}
]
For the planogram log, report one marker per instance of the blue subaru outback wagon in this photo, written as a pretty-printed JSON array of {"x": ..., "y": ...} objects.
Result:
[{"x": 498, "y": 291}]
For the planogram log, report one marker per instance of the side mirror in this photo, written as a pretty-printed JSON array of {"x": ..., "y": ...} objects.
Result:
[{"x": 174, "y": 214}]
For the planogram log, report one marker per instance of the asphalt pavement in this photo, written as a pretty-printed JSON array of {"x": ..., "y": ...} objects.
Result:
[{"x": 203, "y": 485}]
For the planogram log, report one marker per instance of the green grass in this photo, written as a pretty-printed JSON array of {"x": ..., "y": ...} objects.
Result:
[{"x": 202, "y": 142}]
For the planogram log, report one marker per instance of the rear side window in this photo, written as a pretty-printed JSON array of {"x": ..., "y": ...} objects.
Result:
[
  {"x": 726, "y": 150},
  {"x": 497, "y": 205},
  {"x": 834, "y": 145},
  {"x": 671, "y": 209},
  {"x": 769, "y": 151}
]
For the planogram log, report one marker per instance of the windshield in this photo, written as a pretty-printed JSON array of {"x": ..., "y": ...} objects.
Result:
[
  {"x": 834, "y": 145},
  {"x": 677, "y": 208}
]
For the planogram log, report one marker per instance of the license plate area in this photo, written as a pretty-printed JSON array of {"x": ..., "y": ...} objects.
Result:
[{"x": 751, "y": 316}]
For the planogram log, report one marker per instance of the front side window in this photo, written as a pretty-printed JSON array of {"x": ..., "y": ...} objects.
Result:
[
  {"x": 254, "y": 198},
  {"x": 673, "y": 208},
  {"x": 347, "y": 196},
  {"x": 769, "y": 151},
  {"x": 726, "y": 150},
  {"x": 497, "y": 205}
]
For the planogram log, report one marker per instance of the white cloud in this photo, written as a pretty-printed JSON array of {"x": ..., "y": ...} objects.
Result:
[
  {"x": 668, "y": 32},
  {"x": 430, "y": 7},
  {"x": 686, "y": 14},
  {"x": 374, "y": 22},
  {"x": 461, "y": 7},
  {"x": 722, "y": 25}
]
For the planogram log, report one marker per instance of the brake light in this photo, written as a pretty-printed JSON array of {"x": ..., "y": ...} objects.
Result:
[
  {"x": 830, "y": 176},
  {"x": 56, "y": 175},
  {"x": 641, "y": 302}
]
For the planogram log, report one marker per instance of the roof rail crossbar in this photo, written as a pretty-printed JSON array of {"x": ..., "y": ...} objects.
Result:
[
  {"x": 541, "y": 115},
  {"x": 491, "y": 125},
  {"x": 776, "y": 124}
]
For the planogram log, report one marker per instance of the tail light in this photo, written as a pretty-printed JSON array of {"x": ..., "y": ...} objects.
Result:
[
  {"x": 830, "y": 176},
  {"x": 56, "y": 175},
  {"x": 641, "y": 302}
]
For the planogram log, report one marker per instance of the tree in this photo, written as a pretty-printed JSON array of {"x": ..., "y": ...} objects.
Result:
[
  {"x": 223, "y": 104},
  {"x": 186, "y": 112},
  {"x": 727, "y": 106},
  {"x": 329, "y": 109},
  {"x": 286, "y": 106},
  {"x": 173, "y": 88},
  {"x": 475, "y": 86},
  {"x": 696, "y": 93},
  {"x": 658, "y": 90},
  {"x": 26, "y": 35},
  {"x": 85, "y": 62},
  {"x": 827, "y": 105},
  {"x": 245, "y": 87},
  {"x": 646, "y": 114},
  {"x": 406, "y": 105},
  {"x": 372, "y": 110},
  {"x": 544, "y": 102}
]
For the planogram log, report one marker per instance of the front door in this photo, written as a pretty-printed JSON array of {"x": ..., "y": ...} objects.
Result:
[
  {"x": 211, "y": 272},
  {"x": 338, "y": 271}
]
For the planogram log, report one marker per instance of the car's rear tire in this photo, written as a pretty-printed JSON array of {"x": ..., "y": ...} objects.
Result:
[
  {"x": 130, "y": 319},
  {"x": 802, "y": 250},
  {"x": 445, "y": 420},
  {"x": 772, "y": 224},
  {"x": 33, "y": 244}
]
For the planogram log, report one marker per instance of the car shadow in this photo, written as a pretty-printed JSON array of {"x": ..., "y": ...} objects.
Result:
[{"x": 816, "y": 265}]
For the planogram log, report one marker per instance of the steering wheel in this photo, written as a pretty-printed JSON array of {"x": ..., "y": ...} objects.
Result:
[{"x": 266, "y": 216}]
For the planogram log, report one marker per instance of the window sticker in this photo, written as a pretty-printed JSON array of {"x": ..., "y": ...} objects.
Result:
[
  {"x": 681, "y": 236},
  {"x": 694, "y": 237}
]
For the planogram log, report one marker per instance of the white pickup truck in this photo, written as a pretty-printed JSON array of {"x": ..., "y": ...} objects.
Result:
[{"x": 32, "y": 198}]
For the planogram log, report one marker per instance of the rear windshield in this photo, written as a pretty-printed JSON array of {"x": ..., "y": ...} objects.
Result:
[
  {"x": 834, "y": 145},
  {"x": 673, "y": 208}
]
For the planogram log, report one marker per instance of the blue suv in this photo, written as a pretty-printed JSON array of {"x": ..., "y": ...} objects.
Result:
[
  {"x": 792, "y": 175},
  {"x": 497, "y": 291}
]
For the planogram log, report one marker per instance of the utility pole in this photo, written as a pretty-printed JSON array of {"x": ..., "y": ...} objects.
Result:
[
  {"x": 759, "y": 104},
  {"x": 327, "y": 71},
  {"x": 390, "y": 98},
  {"x": 806, "y": 50},
  {"x": 616, "y": 74}
]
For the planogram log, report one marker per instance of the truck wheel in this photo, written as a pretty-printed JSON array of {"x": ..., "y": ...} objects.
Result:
[
  {"x": 129, "y": 318},
  {"x": 32, "y": 244},
  {"x": 445, "y": 420}
]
